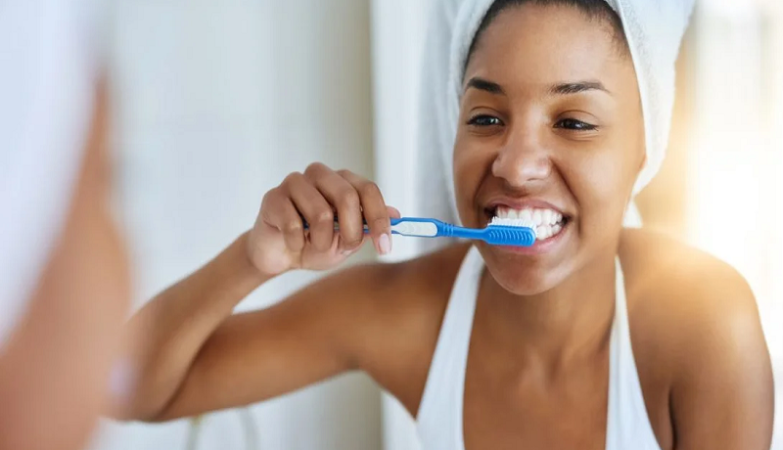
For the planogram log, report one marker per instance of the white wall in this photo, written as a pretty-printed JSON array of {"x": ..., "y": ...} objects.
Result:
[
  {"x": 215, "y": 102},
  {"x": 398, "y": 32}
]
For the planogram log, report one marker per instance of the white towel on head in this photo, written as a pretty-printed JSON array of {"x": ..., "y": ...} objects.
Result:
[
  {"x": 654, "y": 30},
  {"x": 46, "y": 86}
]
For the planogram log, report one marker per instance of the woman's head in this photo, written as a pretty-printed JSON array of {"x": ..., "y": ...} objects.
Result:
[{"x": 550, "y": 125}]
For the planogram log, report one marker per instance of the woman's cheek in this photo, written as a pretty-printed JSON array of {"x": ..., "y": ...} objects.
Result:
[
  {"x": 471, "y": 162},
  {"x": 601, "y": 185}
]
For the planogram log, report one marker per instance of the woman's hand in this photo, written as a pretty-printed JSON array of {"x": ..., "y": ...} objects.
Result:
[{"x": 279, "y": 242}]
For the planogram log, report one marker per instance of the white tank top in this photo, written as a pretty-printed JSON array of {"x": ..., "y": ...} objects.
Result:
[{"x": 439, "y": 420}]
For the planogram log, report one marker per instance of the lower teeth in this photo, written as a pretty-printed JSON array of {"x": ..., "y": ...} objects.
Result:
[{"x": 547, "y": 231}]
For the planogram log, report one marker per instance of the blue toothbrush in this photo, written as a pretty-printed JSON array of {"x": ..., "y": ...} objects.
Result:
[{"x": 515, "y": 232}]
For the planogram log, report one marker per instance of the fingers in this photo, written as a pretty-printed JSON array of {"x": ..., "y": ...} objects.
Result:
[
  {"x": 315, "y": 196},
  {"x": 373, "y": 208},
  {"x": 343, "y": 198},
  {"x": 315, "y": 199},
  {"x": 314, "y": 208},
  {"x": 279, "y": 212}
]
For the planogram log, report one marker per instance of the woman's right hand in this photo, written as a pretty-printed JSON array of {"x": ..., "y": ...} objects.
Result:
[{"x": 279, "y": 242}]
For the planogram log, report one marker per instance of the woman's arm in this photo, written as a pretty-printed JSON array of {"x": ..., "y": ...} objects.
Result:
[
  {"x": 190, "y": 356},
  {"x": 722, "y": 395},
  {"x": 193, "y": 356},
  {"x": 165, "y": 336}
]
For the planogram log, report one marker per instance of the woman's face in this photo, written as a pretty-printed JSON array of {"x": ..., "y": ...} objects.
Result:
[{"x": 551, "y": 129}]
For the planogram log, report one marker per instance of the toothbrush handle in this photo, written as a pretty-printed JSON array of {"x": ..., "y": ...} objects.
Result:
[
  {"x": 417, "y": 226},
  {"x": 406, "y": 226},
  {"x": 424, "y": 227},
  {"x": 465, "y": 233}
]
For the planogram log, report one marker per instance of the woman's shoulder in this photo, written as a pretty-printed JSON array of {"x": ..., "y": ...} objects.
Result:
[
  {"x": 689, "y": 312},
  {"x": 697, "y": 339},
  {"x": 664, "y": 274}
]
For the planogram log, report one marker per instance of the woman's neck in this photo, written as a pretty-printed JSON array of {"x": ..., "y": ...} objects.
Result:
[{"x": 567, "y": 322}]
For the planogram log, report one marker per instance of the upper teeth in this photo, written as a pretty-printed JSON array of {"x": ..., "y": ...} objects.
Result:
[
  {"x": 539, "y": 217},
  {"x": 547, "y": 222}
]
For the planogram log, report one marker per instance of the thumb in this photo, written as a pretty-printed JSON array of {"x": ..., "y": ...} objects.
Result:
[{"x": 393, "y": 212}]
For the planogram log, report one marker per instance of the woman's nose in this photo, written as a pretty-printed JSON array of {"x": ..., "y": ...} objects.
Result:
[{"x": 521, "y": 161}]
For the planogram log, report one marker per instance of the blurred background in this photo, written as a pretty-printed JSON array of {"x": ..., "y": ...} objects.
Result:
[{"x": 215, "y": 101}]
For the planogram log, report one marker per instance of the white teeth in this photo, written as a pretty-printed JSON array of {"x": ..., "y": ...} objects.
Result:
[
  {"x": 537, "y": 216},
  {"x": 548, "y": 222},
  {"x": 546, "y": 233},
  {"x": 547, "y": 216}
]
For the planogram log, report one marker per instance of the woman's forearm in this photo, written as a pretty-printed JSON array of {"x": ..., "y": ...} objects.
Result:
[{"x": 166, "y": 335}]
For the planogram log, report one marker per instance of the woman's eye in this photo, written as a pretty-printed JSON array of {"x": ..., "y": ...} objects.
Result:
[
  {"x": 576, "y": 125},
  {"x": 485, "y": 121}
]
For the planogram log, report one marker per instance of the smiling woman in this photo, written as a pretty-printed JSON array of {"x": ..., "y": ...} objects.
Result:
[
  {"x": 544, "y": 131},
  {"x": 594, "y": 337}
]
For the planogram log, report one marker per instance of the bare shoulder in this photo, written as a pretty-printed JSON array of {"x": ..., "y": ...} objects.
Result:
[
  {"x": 675, "y": 287},
  {"x": 698, "y": 343}
]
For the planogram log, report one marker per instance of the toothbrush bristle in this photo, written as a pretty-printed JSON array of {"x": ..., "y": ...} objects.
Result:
[{"x": 507, "y": 231}]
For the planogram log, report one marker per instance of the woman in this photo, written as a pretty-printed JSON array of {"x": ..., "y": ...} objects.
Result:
[{"x": 488, "y": 347}]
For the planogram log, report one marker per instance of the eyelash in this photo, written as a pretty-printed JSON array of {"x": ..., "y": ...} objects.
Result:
[
  {"x": 483, "y": 117},
  {"x": 576, "y": 125},
  {"x": 567, "y": 124}
]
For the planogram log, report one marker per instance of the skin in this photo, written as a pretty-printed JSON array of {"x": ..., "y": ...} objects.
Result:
[
  {"x": 537, "y": 372},
  {"x": 54, "y": 370}
]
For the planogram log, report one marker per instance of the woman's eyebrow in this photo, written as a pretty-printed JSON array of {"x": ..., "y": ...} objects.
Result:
[
  {"x": 485, "y": 85},
  {"x": 577, "y": 87},
  {"x": 569, "y": 88}
]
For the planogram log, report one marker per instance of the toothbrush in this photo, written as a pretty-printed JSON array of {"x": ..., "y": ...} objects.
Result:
[
  {"x": 499, "y": 232},
  {"x": 517, "y": 232}
]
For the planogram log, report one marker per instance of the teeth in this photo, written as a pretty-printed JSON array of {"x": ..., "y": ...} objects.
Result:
[
  {"x": 537, "y": 217},
  {"x": 547, "y": 216},
  {"x": 543, "y": 232},
  {"x": 548, "y": 222}
]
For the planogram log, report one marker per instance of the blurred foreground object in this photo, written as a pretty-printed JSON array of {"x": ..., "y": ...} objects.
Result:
[{"x": 63, "y": 277}]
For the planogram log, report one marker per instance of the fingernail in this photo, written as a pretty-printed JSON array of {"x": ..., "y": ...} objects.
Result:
[
  {"x": 384, "y": 242},
  {"x": 347, "y": 252}
]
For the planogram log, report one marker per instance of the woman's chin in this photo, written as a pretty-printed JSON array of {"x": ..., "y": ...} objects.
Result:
[
  {"x": 524, "y": 278},
  {"x": 526, "y": 286}
]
